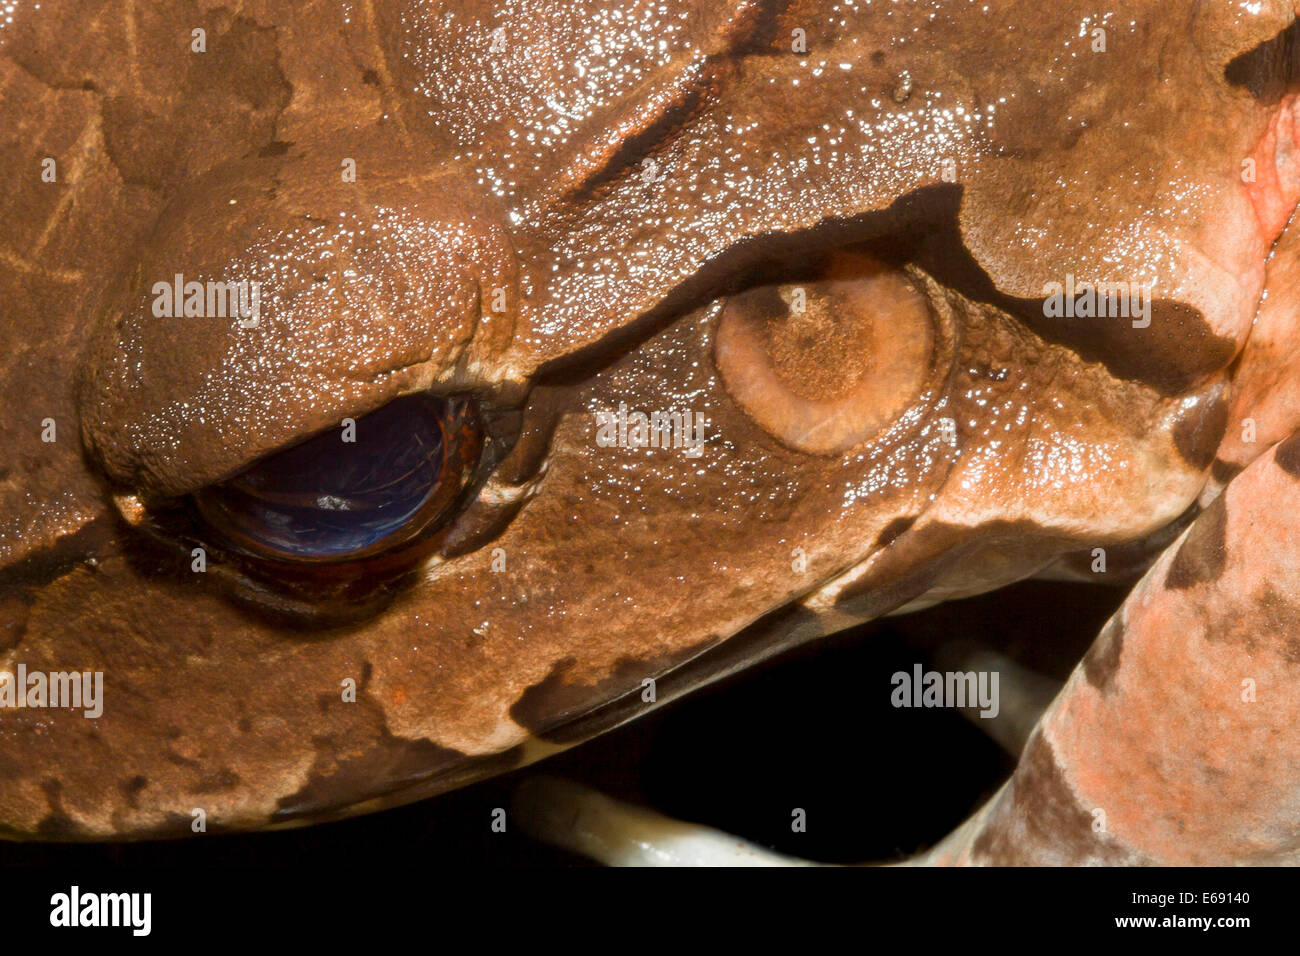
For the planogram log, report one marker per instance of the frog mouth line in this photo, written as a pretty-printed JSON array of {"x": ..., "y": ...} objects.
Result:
[{"x": 771, "y": 635}]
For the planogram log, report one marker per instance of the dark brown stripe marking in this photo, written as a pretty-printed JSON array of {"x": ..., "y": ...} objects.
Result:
[
  {"x": 1045, "y": 816},
  {"x": 1198, "y": 433},
  {"x": 1102, "y": 660},
  {"x": 893, "y": 530},
  {"x": 1224, "y": 471},
  {"x": 1287, "y": 456},
  {"x": 1202, "y": 556}
]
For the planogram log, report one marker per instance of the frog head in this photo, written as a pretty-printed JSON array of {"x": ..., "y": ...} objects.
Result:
[{"x": 675, "y": 335}]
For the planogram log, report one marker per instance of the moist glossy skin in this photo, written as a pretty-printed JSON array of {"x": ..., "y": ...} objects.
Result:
[{"x": 620, "y": 171}]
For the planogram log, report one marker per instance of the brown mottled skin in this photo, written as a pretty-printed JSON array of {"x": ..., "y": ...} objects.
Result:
[{"x": 487, "y": 159}]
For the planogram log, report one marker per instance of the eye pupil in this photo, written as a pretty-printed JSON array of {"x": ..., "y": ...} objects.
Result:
[{"x": 330, "y": 498}]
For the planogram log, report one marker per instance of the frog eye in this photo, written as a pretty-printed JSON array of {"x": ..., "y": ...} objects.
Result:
[
  {"x": 824, "y": 366},
  {"x": 355, "y": 491}
]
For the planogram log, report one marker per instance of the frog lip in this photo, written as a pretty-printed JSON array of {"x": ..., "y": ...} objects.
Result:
[
  {"x": 779, "y": 630},
  {"x": 396, "y": 771}
]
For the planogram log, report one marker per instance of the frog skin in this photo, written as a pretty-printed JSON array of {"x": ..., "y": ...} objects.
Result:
[{"x": 650, "y": 183}]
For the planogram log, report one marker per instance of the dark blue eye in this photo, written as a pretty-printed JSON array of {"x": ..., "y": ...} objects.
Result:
[{"x": 329, "y": 498}]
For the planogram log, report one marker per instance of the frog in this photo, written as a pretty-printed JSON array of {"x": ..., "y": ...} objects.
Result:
[{"x": 676, "y": 335}]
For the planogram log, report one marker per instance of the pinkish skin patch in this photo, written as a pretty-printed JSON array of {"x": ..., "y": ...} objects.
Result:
[
  {"x": 1267, "y": 388},
  {"x": 1276, "y": 190}
]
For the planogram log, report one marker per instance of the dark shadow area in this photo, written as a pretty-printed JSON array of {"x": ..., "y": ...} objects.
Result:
[{"x": 1269, "y": 70}]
